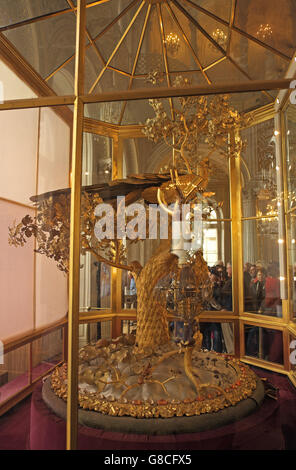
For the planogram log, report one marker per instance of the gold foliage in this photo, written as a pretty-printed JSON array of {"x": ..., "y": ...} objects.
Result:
[
  {"x": 209, "y": 398},
  {"x": 51, "y": 228},
  {"x": 197, "y": 120}
]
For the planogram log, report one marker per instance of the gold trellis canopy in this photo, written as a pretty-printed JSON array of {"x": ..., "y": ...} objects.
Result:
[{"x": 206, "y": 41}]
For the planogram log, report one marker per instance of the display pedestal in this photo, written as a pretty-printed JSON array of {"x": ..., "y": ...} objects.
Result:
[{"x": 259, "y": 431}]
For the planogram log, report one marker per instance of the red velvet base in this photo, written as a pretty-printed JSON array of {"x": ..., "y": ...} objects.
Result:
[{"x": 259, "y": 431}]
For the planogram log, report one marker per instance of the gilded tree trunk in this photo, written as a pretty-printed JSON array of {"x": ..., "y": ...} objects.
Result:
[{"x": 152, "y": 324}]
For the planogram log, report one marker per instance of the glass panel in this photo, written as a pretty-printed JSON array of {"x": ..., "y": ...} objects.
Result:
[
  {"x": 103, "y": 277},
  {"x": 15, "y": 11},
  {"x": 97, "y": 159},
  {"x": 34, "y": 166},
  {"x": 291, "y": 155},
  {"x": 11, "y": 86},
  {"x": 126, "y": 56},
  {"x": 218, "y": 31},
  {"x": 249, "y": 101},
  {"x": 137, "y": 114},
  {"x": 46, "y": 45},
  {"x": 129, "y": 294},
  {"x": 19, "y": 156},
  {"x": 291, "y": 218},
  {"x": 108, "y": 112},
  {"x": 217, "y": 337},
  {"x": 151, "y": 54},
  {"x": 95, "y": 284},
  {"x": 262, "y": 22},
  {"x": 221, "y": 71},
  {"x": 87, "y": 2},
  {"x": 261, "y": 267},
  {"x": 215, "y": 7},
  {"x": 259, "y": 171},
  {"x": 264, "y": 343},
  {"x": 95, "y": 276},
  {"x": 128, "y": 327},
  {"x": 93, "y": 66},
  {"x": 291, "y": 203},
  {"x": 292, "y": 352},
  {"x": 47, "y": 351},
  {"x": 256, "y": 62},
  {"x": 99, "y": 19},
  {"x": 16, "y": 273},
  {"x": 217, "y": 253},
  {"x": 202, "y": 47},
  {"x": 179, "y": 41},
  {"x": 144, "y": 156},
  {"x": 89, "y": 333},
  {"x": 14, "y": 372}
]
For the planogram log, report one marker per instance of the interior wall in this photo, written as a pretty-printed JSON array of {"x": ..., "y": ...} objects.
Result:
[
  {"x": 53, "y": 173},
  {"x": 34, "y": 158},
  {"x": 13, "y": 87},
  {"x": 18, "y": 154},
  {"x": 16, "y": 276}
]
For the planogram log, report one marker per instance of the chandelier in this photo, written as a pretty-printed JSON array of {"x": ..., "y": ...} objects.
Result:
[
  {"x": 268, "y": 225},
  {"x": 172, "y": 42},
  {"x": 264, "y": 32},
  {"x": 220, "y": 38}
]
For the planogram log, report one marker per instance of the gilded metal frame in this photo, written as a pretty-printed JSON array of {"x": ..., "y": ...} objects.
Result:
[{"x": 46, "y": 98}]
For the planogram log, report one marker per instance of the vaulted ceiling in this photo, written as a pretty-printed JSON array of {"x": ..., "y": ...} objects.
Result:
[{"x": 142, "y": 43}]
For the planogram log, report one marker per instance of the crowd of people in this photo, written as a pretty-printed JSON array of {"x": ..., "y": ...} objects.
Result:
[
  {"x": 262, "y": 289},
  {"x": 213, "y": 334},
  {"x": 221, "y": 279},
  {"x": 261, "y": 295}
]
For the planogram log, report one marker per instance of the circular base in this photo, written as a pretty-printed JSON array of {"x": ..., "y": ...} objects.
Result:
[
  {"x": 157, "y": 426},
  {"x": 117, "y": 379}
]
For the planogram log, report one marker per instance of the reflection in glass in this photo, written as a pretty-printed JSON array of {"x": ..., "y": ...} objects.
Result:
[
  {"x": 292, "y": 261},
  {"x": 128, "y": 327},
  {"x": 216, "y": 336},
  {"x": 259, "y": 171},
  {"x": 95, "y": 284},
  {"x": 217, "y": 253},
  {"x": 291, "y": 156},
  {"x": 95, "y": 276},
  {"x": 129, "y": 291},
  {"x": 47, "y": 351},
  {"x": 44, "y": 55},
  {"x": 261, "y": 267},
  {"x": 90, "y": 333},
  {"x": 103, "y": 284},
  {"x": 97, "y": 159},
  {"x": 264, "y": 343},
  {"x": 292, "y": 354},
  {"x": 14, "y": 372},
  {"x": 16, "y": 11},
  {"x": 291, "y": 217}
]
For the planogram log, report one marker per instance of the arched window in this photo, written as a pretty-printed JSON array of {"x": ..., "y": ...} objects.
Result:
[{"x": 213, "y": 239}]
